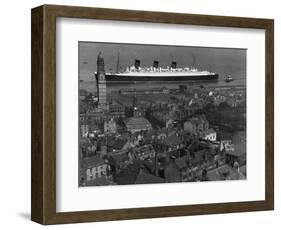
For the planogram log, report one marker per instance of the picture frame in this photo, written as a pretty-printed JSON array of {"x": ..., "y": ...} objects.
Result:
[{"x": 44, "y": 92}]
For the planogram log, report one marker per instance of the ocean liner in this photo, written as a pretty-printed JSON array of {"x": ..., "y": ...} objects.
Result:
[{"x": 154, "y": 73}]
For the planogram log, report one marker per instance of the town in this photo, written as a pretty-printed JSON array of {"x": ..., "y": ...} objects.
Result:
[{"x": 161, "y": 135}]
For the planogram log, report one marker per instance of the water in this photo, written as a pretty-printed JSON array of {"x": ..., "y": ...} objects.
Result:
[{"x": 90, "y": 86}]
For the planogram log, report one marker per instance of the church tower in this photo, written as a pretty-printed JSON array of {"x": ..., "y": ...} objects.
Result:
[{"x": 101, "y": 81}]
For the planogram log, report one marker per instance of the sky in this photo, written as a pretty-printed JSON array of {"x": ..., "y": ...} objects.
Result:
[{"x": 219, "y": 60}]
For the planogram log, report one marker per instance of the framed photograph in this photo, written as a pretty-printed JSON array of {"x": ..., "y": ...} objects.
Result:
[{"x": 140, "y": 114}]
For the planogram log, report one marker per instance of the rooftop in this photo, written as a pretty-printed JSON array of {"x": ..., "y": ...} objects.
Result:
[
  {"x": 92, "y": 161},
  {"x": 145, "y": 178},
  {"x": 239, "y": 149},
  {"x": 181, "y": 162},
  {"x": 173, "y": 140},
  {"x": 138, "y": 123}
]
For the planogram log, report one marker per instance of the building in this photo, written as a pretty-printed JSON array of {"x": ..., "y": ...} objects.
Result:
[
  {"x": 132, "y": 91},
  {"x": 94, "y": 129},
  {"x": 84, "y": 128},
  {"x": 144, "y": 152},
  {"x": 210, "y": 135},
  {"x": 115, "y": 144},
  {"x": 95, "y": 167},
  {"x": 196, "y": 124},
  {"x": 182, "y": 163},
  {"x": 110, "y": 126},
  {"x": 146, "y": 178},
  {"x": 96, "y": 115},
  {"x": 137, "y": 124},
  {"x": 119, "y": 159},
  {"x": 83, "y": 94},
  {"x": 173, "y": 142},
  {"x": 238, "y": 154},
  {"x": 226, "y": 145},
  {"x": 239, "y": 137},
  {"x": 101, "y": 82},
  {"x": 116, "y": 109},
  {"x": 226, "y": 172},
  {"x": 172, "y": 173},
  {"x": 170, "y": 123}
]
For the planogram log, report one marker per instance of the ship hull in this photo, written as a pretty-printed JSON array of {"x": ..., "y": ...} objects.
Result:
[{"x": 128, "y": 78}]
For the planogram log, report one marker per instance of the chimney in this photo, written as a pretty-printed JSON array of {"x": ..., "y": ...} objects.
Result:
[
  {"x": 100, "y": 64},
  {"x": 155, "y": 64},
  {"x": 137, "y": 63},
  {"x": 174, "y": 65}
]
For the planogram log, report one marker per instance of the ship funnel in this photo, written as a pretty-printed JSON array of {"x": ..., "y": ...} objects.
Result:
[
  {"x": 137, "y": 63},
  {"x": 155, "y": 64},
  {"x": 100, "y": 63},
  {"x": 174, "y": 65}
]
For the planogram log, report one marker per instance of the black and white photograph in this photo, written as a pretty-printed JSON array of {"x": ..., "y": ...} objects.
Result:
[{"x": 153, "y": 113}]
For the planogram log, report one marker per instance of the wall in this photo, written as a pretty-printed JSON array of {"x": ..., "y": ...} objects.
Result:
[{"x": 15, "y": 113}]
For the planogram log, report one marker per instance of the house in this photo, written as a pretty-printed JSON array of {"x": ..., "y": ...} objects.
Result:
[
  {"x": 182, "y": 163},
  {"x": 170, "y": 123},
  {"x": 115, "y": 144},
  {"x": 95, "y": 167},
  {"x": 172, "y": 173},
  {"x": 219, "y": 99},
  {"x": 84, "y": 128},
  {"x": 110, "y": 126},
  {"x": 209, "y": 134},
  {"x": 101, "y": 181},
  {"x": 237, "y": 155},
  {"x": 226, "y": 172},
  {"x": 196, "y": 124},
  {"x": 127, "y": 175},
  {"x": 87, "y": 148},
  {"x": 239, "y": 137},
  {"x": 116, "y": 109},
  {"x": 165, "y": 90},
  {"x": 83, "y": 94},
  {"x": 94, "y": 129},
  {"x": 144, "y": 152},
  {"x": 164, "y": 133},
  {"x": 146, "y": 178},
  {"x": 119, "y": 159},
  {"x": 226, "y": 145},
  {"x": 221, "y": 173},
  {"x": 173, "y": 142},
  {"x": 94, "y": 115},
  {"x": 137, "y": 124}
]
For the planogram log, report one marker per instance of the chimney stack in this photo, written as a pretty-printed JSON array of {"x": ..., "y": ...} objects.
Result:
[
  {"x": 155, "y": 64},
  {"x": 137, "y": 63}
]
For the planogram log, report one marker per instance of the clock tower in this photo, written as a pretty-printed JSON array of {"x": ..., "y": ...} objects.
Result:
[{"x": 101, "y": 81}]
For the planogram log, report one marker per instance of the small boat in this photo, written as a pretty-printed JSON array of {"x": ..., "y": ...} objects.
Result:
[{"x": 228, "y": 78}]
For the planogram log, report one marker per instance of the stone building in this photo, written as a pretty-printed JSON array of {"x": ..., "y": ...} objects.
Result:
[
  {"x": 110, "y": 126},
  {"x": 137, "y": 124},
  {"x": 196, "y": 124},
  {"x": 95, "y": 167},
  {"x": 101, "y": 82}
]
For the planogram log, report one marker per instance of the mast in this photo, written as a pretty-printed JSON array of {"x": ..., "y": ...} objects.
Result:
[
  {"x": 193, "y": 61},
  {"x": 118, "y": 63}
]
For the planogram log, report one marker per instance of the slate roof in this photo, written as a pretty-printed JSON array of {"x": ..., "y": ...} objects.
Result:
[
  {"x": 173, "y": 140},
  {"x": 92, "y": 161},
  {"x": 145, "y": 178},
  {"x": 239, "y": 150},
  {"x": 181, "y": 162},
  {"x": 138, "y": 123}
]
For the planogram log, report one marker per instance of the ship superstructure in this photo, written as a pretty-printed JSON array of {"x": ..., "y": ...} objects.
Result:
[{"x": 156, "y": 73}]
